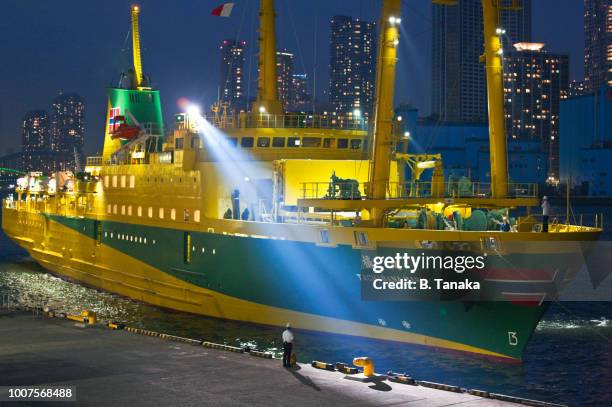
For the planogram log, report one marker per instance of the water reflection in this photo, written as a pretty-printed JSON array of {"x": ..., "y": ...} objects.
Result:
[{"x": 569, "y": 354}]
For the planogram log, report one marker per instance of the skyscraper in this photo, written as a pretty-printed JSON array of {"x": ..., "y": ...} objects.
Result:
[
  {"x": 535, "y": 82},
  {"x": 302, "y": 99},
  {"x": 35, "y": 141},
  {"x": 458, "y": 77},
  {"x": 231, "y": 81},
  {"x": 67, "y": 130},
  {"x": 284, "y": 77},
  {"x": 597, "y": 43},
  {"x": 352, "y": 65}
]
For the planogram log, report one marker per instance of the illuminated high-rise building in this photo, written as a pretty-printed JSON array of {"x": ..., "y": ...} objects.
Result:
[
  {"x": 68, "y": 130},
  {"x": 352, "y": 65},
  {"x": 36, "y": 141},
  {"x": 459, "y": 91},
  {"x": 597, "y": 44},
  {"x": 231, "y": 82},
  {"x": 302, "y": 99},
  {"x": 535, "y": 82},
  {"x": 284, "y": 77}
]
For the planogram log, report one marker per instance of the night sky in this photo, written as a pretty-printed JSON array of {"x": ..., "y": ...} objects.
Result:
[{"x": 80, "y": 46}]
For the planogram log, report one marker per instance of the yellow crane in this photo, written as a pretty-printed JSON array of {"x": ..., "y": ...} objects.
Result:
[
  {"x": 267, "y": 101},
  {"x": 383, "y": 115},
  {"x": 136, "y": 46},
  {"x": 493, "y": 60}
]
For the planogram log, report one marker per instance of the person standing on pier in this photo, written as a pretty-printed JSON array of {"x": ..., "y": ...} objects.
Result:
[
  {"x": 545, "y": 214},
  {"x": 287, "y": 345}
]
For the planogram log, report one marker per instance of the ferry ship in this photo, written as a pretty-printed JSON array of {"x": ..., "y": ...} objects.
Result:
[{"x": 268, "y": 218}]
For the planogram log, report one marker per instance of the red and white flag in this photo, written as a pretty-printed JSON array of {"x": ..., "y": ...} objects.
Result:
[{"x": 224, "y": 10}]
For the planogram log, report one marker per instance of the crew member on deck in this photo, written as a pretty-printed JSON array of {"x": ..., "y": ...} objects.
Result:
[
  {"x": 245, "y": 214},
  {"x": 228, "y": 214},
  {"x": 545, "y": 213},
  {"x": 505, "y": 225},
  {"x": 287, "y": 345}
]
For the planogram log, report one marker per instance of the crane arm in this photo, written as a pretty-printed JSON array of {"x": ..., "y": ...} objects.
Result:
[{"x": 136, "y": 45}]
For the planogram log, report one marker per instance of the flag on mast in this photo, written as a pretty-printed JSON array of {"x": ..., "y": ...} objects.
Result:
[{"x": 224, "y": 10}]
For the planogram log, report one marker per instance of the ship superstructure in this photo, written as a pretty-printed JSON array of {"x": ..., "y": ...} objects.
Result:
[{"x": 235, "y": 216}]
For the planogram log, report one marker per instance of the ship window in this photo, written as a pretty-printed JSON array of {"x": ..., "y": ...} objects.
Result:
[
  {"x": 361, "y": 238},
  {"x": 106, "y": 181},
  {"x": 140, "y": 211},
  {"x": 123, "y": 209},
  {"x": 123, "y": 181},
  {"x": 342, "y": 143},
  {"x": 196, "y": 216},
  {"x": 173, "y": 214},
  {"x": 129, "y": 210},
  {"x": 161, "y": 213},
  {"x": 355, "y": 144},
  {"x": 132, "y": 181},
  {"x": 327, "y": 142},
  {"x": 311, "y": 142},
  {"x": 150, "y": 211},
  {"x": 293, "y": 142},
  {"x": 108, "y": 208},
  {"x": 195, "y": 142},
  {"x": 324, "y": 235},
  {"x": 232, "y": 141},
  {"x": 115, "y": 209},
  {"x": 246, "y": 142},
  {"x": 186, "y": 215},
  {"x": 178, "y": 143},
  {"x": 278, "y": 142},
  {"x": 114, "y": 181},
  {"x": 263, "y": 142}
]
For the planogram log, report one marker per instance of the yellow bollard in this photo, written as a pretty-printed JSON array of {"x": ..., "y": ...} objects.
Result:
[{"x": 366, "y": 363}]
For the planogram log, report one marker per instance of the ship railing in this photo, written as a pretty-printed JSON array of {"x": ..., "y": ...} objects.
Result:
[
  {"x": 95, "y": 161},
  {"x": 152, "y": 129},
  {"x": 289, "y": 121},
  {"x": 561, "y": 222},
  {"x": 412, "y": 189}
]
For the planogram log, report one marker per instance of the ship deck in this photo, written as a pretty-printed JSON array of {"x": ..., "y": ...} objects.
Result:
[{"x": 120, "y": 368}]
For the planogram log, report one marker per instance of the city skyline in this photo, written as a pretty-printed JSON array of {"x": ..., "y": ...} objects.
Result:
[
  {"x": 459, "y": 92},
  {"x": 101, "y": 65}
]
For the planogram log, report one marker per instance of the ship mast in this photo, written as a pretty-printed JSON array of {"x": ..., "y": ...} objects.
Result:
[
  {"x": 267, "y": 95},
  {"x": 383, "y": 114},
  {"x": 493, "y": 59},
  {"x": 136, "y": 46}
]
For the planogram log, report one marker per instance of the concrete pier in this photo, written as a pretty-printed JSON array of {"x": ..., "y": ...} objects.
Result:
[{"x": 115, "y": 367}]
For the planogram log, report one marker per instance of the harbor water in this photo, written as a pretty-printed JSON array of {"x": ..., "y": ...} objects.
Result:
[{"x": 569, "y": 359}]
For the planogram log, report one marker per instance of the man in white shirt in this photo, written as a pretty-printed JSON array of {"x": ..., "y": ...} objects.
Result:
[
  {"x": 287, "y": 345},
  {"x": 545, "y": 214}
]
